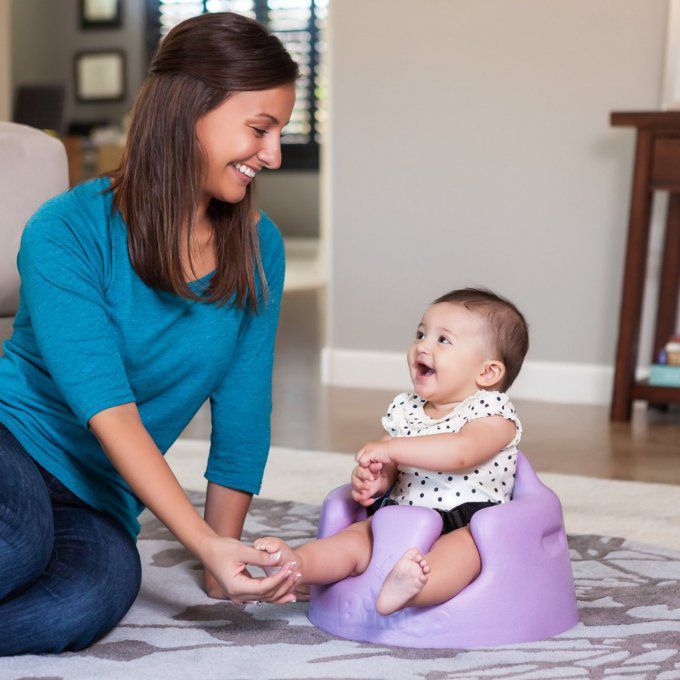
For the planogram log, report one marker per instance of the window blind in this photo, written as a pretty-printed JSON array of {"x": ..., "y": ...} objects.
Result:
[{"x": 299, "y": 24}]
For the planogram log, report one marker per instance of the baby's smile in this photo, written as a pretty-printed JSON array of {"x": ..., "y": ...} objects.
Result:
[{"x": 423, "y": 369}]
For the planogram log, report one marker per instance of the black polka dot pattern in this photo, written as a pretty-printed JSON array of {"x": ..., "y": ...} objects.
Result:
[{"x": 492, "y": 480}]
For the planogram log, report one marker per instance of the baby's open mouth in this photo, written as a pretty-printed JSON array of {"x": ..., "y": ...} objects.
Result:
[{"x": 424, "y": 369}]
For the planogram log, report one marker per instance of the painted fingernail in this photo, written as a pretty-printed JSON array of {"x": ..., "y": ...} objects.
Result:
[
  {"x": 276, "y": 556},
  {"x": 298, "y": 577}
]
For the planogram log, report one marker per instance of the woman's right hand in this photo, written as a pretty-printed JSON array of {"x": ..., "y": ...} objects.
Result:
[
  {"x": 226, "y": 560},
  {"x": 135, "y": 455}
]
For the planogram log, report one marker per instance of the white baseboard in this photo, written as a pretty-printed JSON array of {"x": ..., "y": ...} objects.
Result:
[
  {"x": 561, "y": 382},
  {"x": 300, "y": 246}
]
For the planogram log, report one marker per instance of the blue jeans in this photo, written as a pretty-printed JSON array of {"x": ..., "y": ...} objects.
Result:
[{"x": 68, "y": 574}]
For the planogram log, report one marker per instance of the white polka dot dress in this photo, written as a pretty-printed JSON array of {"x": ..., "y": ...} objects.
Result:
[{"x": 491, "y": 481}]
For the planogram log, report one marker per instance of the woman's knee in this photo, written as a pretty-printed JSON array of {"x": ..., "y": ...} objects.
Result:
[
  {"x": 67, "y": 609},
  {"x": 96, "y": 612},
  {"x": 26, "y": 523},
  {"x": 106, "y": 578}
]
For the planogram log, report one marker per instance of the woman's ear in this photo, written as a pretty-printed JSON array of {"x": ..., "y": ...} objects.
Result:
[{"x": 492, "y": 373}]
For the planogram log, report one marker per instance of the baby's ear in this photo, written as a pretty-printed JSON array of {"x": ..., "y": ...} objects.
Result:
[{"x": 492, "y": 374}]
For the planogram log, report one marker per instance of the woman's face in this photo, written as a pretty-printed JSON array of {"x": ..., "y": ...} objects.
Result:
[{"x": 240, "y": 137}]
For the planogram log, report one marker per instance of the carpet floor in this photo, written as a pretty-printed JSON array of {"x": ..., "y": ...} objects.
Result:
[{"x": 628, "y": 594}]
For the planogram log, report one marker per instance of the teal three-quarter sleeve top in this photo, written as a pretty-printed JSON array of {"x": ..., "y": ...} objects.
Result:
[{"x": 90, "y": 334}]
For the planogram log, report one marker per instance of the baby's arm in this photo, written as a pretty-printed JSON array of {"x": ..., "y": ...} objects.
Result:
[{"x": 476, "y": 442}]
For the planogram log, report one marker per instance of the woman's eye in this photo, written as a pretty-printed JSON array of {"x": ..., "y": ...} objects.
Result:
[
  {"x": 444, "y": 340},
  {"x": 259, "y": 132}
]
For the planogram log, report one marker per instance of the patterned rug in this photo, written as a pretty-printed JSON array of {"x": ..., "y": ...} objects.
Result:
[{"x": 629, "y": 599}]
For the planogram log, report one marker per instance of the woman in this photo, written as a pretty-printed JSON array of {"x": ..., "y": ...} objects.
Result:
[{"x": 143, "y": 295}]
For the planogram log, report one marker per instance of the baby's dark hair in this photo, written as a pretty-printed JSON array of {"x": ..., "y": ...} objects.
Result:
[{"x": 508, "y": 329}]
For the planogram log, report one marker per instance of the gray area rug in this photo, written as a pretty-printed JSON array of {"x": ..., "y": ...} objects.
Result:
[{"x": 629, "y": 599}]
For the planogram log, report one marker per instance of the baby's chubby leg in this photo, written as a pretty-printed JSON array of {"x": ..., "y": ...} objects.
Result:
[
  {"x": 452, "y": 563},
  {"x": 330, "y": 559}
]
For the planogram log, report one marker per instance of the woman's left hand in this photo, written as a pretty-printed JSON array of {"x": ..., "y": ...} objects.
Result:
[
  {"x": 213, "y": 588},
  {"x": 225, "y": 559}
]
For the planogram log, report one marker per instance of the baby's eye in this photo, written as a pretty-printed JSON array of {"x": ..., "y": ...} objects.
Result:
[
  {"x": 420, "y": 335},
  {"x": 444, "y": 340}
]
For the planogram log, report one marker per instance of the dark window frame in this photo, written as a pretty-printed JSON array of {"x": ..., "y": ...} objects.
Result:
[{"x": 294, "y": 156}]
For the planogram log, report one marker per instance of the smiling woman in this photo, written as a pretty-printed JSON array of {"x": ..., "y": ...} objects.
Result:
[
  {"x": 143, "y": 295},
  {"x": 208, "y": 103},
  {"x": 239, "y": 142}
]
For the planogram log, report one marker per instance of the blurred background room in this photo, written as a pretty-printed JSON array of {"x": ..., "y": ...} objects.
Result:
[{"x": 434, "y": 144}]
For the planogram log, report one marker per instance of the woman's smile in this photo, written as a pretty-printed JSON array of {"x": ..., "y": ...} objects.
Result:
[
  {"x": 243, "y": 173},
  {"x": 246, "y": 125}
]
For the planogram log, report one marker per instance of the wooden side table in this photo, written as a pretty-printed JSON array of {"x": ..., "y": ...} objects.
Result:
[{"x": 657, "y": 168}]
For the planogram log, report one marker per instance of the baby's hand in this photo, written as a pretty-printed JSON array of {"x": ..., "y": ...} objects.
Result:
[
  {"x": 373, "y": 454},
  {"x": 366, "y": 485},
  {"x": 376, "y": 468}
]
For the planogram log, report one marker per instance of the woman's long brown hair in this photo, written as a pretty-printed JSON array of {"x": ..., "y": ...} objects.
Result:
[{"x": 157, "y": 185}]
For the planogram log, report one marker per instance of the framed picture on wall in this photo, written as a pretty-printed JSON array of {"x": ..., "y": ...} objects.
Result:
[
  {"x": 100, "y": 76},
  {"x": 100, "y": 13}
]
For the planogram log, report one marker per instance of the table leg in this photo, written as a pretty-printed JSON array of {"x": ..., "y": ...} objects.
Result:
[
  {"x": 633, "y": 280},
  {"x": 669, "y": 286}
]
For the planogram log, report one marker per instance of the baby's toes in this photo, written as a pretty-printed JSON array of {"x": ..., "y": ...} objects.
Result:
[
  {"x": 412, "y": 554},
  {"x": 268, "y": 543}
]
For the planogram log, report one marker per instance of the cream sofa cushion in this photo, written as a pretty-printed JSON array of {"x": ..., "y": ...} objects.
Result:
[{"x": 33, "y": 168}]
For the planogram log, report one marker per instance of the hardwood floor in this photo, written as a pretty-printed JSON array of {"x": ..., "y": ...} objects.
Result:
[
  {"x": 570, "y": 439},
  {"x": 558, "y": 438}
]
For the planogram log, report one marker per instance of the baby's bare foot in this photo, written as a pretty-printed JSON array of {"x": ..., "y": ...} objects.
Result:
[
  {"x": 273, "y": 545},
  {"x": 405, "y": 581}
]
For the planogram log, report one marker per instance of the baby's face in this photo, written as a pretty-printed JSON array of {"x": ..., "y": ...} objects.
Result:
[{"x": 448, "y": 353}]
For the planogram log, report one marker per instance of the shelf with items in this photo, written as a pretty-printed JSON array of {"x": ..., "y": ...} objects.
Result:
[
  {"x": 93, "y": 149},
  {"x": 666, "y": 371},
  {"x": 656, "y": 168}
]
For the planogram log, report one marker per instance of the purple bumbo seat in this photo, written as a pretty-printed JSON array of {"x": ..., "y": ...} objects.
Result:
[{"x": 525, "y": 591}]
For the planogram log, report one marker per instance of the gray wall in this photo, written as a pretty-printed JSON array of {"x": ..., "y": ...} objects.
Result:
[
  {"x": 470, "y": 144},
  {"x": 45, "y": 37},
  {"x": 291, "y": 199}
]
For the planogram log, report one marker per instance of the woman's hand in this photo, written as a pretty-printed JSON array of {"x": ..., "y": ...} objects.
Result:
[
  {"x": 135, "y": 455},
  {"x": 226, "y": 576},
  {"x": 375, "y": 453},
  {"x": 213, "y": 588}
]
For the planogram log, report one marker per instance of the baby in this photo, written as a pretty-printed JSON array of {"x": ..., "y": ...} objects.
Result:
[{"x": 451, "y": 445}]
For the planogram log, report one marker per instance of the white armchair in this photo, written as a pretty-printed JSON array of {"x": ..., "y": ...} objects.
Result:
[{"x": 33, "y": 168}]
